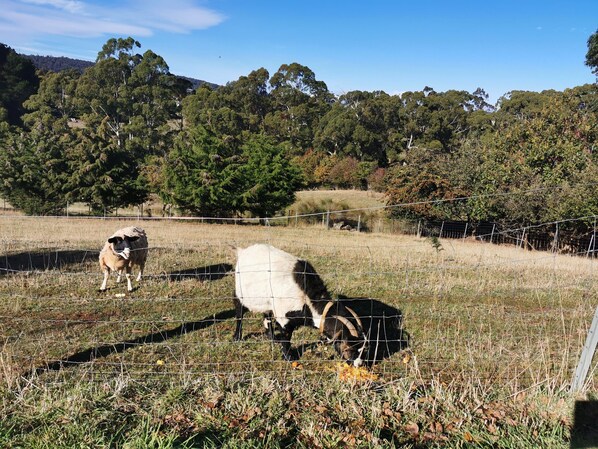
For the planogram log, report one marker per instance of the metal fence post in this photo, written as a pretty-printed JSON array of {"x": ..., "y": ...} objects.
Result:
[{"x": 586, "y": 356}]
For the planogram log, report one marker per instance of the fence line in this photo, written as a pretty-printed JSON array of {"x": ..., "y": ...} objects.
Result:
[{"x": 448, "y": 346}]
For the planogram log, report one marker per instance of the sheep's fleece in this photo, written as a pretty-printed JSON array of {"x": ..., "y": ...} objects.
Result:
[{"x": 113, "y": 260}]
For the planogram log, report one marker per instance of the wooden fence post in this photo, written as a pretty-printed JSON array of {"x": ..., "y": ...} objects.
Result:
[
  {"x": 441, "y": 228},
  {"x": 586, "y": 356},
  {"x": 465, "y": 233},
  {"x": 492, "y": 234}
]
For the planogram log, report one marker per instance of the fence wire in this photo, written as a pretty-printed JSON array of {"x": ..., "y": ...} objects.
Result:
[{"x": 450, "y": 318}]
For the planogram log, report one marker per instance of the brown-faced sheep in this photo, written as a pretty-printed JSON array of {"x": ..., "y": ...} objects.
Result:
[{"x": 125, "y": 248}]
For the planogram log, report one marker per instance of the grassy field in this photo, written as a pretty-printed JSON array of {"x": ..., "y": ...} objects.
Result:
[
  {"x": 495, "y": 334},
  {"x": 320, "y": 200}
]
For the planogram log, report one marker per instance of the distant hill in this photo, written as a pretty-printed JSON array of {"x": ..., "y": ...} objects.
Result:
[{"x": 59, "y": 63}]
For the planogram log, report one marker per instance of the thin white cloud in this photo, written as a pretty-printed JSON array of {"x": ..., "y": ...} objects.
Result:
[
  {"x": 178, "y": 16},
  {"x": 82, "y": 27},
  {"x": 76, "y": 18},
  {"x": 67, "y": 5}
]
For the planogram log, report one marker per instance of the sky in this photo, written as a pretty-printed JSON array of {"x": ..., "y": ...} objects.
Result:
[{"x": 389, "y": 45}]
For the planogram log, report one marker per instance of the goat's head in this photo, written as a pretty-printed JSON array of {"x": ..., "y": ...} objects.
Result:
[
  {"x": 345, "y": 330},
  {"x": 121, "y": 246}
]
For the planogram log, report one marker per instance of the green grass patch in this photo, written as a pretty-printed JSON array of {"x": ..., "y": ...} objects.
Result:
[{"x": 495, "y": 332}]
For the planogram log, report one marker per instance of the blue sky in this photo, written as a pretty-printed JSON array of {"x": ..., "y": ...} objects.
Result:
[{"x": 394, "y": 46}]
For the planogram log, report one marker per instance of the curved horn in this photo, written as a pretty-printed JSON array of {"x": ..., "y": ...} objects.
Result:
[
  {"x": 349, "y": 325},
  {"x": 352, "y": 312}
]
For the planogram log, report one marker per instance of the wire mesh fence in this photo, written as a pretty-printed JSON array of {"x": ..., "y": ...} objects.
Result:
[{"x": 471, "y": 312}]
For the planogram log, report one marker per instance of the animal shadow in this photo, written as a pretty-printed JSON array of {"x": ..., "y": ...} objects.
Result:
[
  {"x": 45, "y": 260},
  {"x": 90, "y": 354},
  {"x": 207, "y": 273},
  {"x": 383, "y": 325}
]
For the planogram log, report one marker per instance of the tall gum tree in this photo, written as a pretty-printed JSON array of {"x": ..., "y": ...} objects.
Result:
[{"x": 127, "y": 100}]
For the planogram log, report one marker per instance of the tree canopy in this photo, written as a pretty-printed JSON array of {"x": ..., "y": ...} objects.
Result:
[
  {"x": 125, "y": 128},
  {"x": 18, "y": 81}
]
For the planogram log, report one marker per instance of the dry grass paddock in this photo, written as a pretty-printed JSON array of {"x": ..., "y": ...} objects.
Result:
[{"x": 487, "y": 324}]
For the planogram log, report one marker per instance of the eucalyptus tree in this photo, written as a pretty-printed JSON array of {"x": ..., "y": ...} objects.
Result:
[
  {"x": 126, "y": 101},
  {"x": 592, "y": 54},
  {"x": 249, "y": 96},
  {"x": 359, "y": 125},
  {"x": 298, "y": 102},
  {"x": 54, "y": 102}
]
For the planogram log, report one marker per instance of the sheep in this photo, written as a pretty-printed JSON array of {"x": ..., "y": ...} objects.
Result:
[
  {"x": 125, "y": 248},
  {"x": 289, "y": 292}
]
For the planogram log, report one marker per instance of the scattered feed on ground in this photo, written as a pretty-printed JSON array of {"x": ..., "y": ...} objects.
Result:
[{"x": 495, "y": 333}]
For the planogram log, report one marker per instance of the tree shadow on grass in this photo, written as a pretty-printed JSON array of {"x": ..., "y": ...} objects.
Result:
[
  {"x": 207, "y": 273},
  {"x": 91, "y": 354},
  {"x": 45, "y": 260}
]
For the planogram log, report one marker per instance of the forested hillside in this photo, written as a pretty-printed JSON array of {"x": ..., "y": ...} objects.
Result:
[
  {"x": 125, "y": 127},
  {"x": 60, "y": 63}
]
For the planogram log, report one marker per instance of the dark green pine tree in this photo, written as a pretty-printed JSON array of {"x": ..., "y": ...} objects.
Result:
[
  {"x": 199, "y": 174},
  {"x": 205, "y": 176},
  {"x": 268, "y": 178},
  {"x": 18, "y": 81}
]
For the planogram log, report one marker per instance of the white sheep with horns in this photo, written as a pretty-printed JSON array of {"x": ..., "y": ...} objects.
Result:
[{"x": 123, "y": 249}]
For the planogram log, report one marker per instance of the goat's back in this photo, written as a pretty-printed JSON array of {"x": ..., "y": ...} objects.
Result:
[{"x": 264, "y": 280}]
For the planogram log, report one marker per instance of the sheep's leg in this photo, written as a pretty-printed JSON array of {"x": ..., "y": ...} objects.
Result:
[
  {"x": 269, "y": 325},
  {"x": 239, "y": 310},
  {"x": 118, "y": 276},
  {"x": 285, "y": 343},
  {"x": 105, "y": 281},
  {"x": 128, "y": 276},
  {"x": 141, "y": 267}
]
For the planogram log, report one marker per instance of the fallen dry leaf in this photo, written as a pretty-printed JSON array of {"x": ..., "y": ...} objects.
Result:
[{"x": 412, "y": 429}]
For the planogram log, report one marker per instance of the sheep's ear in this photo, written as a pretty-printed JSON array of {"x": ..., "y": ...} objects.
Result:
[
  {"x": 115, "y": 239},
  {"x": 132, "y": 238}
]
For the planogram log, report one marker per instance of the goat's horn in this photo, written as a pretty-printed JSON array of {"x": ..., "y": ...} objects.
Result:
[
  {"x": 352, "y": 312},
  {"x": 349, "y": 325}
]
